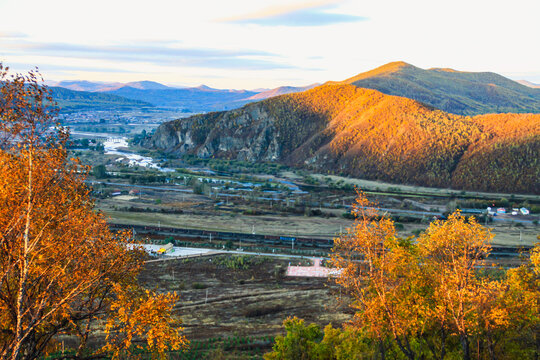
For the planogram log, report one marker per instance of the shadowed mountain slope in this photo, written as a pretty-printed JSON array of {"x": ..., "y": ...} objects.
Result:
[
  {"x": 71, "y": 100},
  {"x": 458, "y": 92}
]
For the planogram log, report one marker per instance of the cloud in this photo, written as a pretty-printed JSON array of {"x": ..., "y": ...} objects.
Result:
[
  {"x": 67, "y": 68},
  {"x": 157, "y": 54},
  {"x": 12, "y": 35},
  {"x": 307, "y": 14}
]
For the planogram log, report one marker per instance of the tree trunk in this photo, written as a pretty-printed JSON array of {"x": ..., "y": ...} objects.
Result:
[
  {"x": 382, "y": 350},
  {"x": 24, "y": 264},
  {"x": 465, "y": 347}
]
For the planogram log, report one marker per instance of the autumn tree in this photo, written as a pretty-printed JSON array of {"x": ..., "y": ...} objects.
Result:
[
  {"x": 436, "y": 296},
  {"x": 62, "y": 271},
  {"x": 379, "y": 271},
  {"x": 308, "y": 341}
]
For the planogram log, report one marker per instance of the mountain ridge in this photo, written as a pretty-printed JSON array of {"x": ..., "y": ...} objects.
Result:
[
  {"x": 454, "y": 91},
  {"x": 364, "y": 133},
  {"x": 458, "y": 92}
]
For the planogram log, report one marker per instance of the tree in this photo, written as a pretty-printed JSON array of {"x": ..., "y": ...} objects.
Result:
[
  {"x": 451, "y": 252},
  {"x": 61, "y": 269},
  {"x": 524, "y": 301},
  {"x": 304, "y": 341},
  {"x": 99, "y": 171},
  {"x": 380, "y": 273},
  {"x": 299, "y": 343},
  {"x": 436, "y": 295}
]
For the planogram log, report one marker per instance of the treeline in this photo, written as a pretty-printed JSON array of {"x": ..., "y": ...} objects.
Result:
[{"x": 436, "y": 296}]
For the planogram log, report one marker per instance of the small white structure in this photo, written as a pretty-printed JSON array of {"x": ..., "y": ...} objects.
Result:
[
  {"x": 312, "y": 271},
  {"x": 524, "y": 211}
]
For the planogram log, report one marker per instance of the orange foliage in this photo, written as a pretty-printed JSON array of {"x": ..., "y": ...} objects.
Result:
[
  {"x": 141, "y": 313},
  {"x": 61, "y": 268},
  {"x": 341, "y": 128},
  {"x": 367, "y": 134},
  {"x": 426, "y": 295}
]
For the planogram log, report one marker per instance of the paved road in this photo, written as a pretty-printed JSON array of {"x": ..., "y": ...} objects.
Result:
[{"x": 216, "y": 252}]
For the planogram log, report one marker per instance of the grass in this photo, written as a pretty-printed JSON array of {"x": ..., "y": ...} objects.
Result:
[
  {"x": 385, "y": 188},
  {"x": 269, "y": 225}
]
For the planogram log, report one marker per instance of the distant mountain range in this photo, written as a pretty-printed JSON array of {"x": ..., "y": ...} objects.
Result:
[
  {"x": 148, "y": 93},
  {"x": 344, "y": 129},
  {"x": 83, "y": 85},
  {"x": 457, "y": 92}
]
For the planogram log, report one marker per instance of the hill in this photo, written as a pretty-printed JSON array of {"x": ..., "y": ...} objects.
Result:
[
  {"x": 147, "y": 85},
  {"x": 83, "y": 85},
  {"x": 71, "y": 100},
  {"x": 458, "y": 92},
  {"x": 282, "y": 90},
  {"x": 529, "y": 84},
  {"x": 367, "y": 134}
]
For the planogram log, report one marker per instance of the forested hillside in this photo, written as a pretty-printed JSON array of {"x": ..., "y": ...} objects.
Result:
[
  {"x": 457, "y": 92},
  {"x": 70, "y": 100},
  {"x": 367, "y": 134}
]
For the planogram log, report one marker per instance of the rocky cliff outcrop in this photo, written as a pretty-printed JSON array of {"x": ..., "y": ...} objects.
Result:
[{"x": 244, "y": 134}]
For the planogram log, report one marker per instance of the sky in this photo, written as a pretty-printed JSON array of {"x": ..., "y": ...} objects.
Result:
[{"x": 249, "y": 44}]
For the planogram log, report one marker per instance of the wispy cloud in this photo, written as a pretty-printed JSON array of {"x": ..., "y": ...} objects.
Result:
[
  {"x": 20, "y": 66},
  {"x": 314, "y": 13},
  {"x": 12, "y": 35},
  {"x": 165, "y": 54}
]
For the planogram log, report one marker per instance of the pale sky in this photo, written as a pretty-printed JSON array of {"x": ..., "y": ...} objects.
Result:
[{"x": 247, "y": 44}]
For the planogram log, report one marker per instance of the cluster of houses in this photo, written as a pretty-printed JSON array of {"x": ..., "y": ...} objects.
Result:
[{"x": 501, "y": 210}]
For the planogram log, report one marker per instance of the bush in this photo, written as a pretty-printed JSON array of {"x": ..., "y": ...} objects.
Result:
[
  {"x": 262, "y": 310},
  {"x": 198, "y": 286}
]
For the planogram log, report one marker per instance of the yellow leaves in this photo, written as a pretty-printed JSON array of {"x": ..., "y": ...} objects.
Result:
[
  {"x": 430, "y": 286},
  {"x": 58, "y": 258},
  {"x": 143, "y": 314}
]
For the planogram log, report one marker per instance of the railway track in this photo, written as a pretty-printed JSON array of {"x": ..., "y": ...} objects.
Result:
[{"x": 274, "y": 240}]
